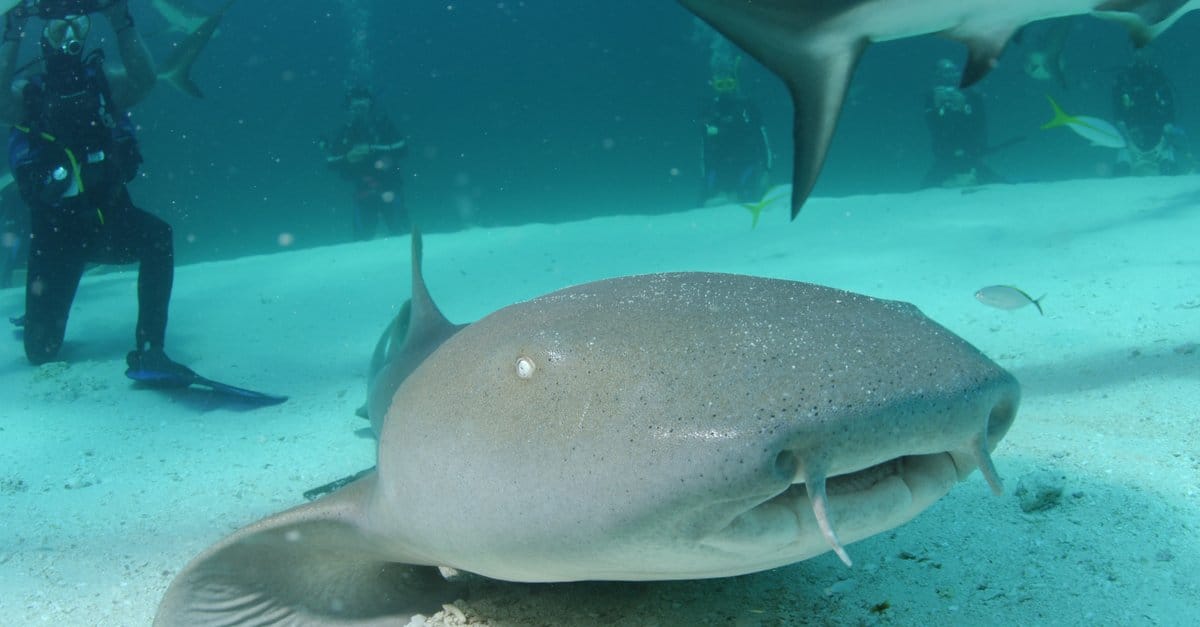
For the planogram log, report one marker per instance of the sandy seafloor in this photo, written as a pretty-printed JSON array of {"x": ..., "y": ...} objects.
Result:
[{"x": 106, "y": 491}]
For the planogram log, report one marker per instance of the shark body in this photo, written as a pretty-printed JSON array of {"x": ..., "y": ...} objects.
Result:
[
  {"x": 666, "y": 426},
  {"x": 815, "y": 45}
]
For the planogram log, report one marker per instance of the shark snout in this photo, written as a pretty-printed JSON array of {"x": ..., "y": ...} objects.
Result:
[{"x": 871, "y": 481}]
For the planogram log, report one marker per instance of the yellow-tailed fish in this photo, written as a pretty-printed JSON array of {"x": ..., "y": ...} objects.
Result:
[
  {"x": 1095, "y": 130},
  {"x": 755, "y": 208}
]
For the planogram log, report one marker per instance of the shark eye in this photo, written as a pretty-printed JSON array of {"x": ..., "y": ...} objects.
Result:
[{"x": 525, "y": 367}]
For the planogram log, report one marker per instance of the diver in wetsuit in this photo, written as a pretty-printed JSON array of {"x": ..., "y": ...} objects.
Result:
[
  {"x": 367, "y": 150},
  {"x": 957, "y": 131},
  {"x": 72, "y": 150},
  {"x": 1144, "y": 108},
  {"x": 735, "y": 155}
]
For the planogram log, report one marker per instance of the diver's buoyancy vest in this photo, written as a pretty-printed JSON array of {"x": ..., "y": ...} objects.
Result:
[{"x": 72, "y": 121}]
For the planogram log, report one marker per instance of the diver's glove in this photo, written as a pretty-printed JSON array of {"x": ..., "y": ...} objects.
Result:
[{"x": 118, "y": 15}]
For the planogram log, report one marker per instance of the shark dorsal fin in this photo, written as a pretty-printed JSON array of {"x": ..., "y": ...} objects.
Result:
[
  {"x": 416, "y": 332},
  {"x": 425, "y": 319}
]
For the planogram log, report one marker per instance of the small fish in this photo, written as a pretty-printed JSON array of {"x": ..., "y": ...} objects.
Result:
[
  {"x": 755, "y": 208},
  {"x": 1007, "y": 297},
  {"x": 1095, "y": 130}
]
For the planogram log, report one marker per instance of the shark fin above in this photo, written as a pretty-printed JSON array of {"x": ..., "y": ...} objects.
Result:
[
  {"x": 1145, "y": 19},
  {"x": 178, "y": 68},
  {"x": 815, "y": 45},
  {"x": 818, "y": 87},
  {"x": 816, "y": 69},
  {"x": 983, "y": 51}
]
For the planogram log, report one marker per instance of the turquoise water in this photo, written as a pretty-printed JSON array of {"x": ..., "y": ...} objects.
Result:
[
  {"x": 110, "y": 490},
  {"x": 554, "y": 146}
]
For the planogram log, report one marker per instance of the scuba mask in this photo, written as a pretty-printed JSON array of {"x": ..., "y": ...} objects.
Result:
[
  {"x": 66, "y": 35},
  {"x": 725, "y": 84},
  {"x": 724, "y": 80}
]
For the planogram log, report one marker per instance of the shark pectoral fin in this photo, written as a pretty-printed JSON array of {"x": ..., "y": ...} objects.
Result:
[
  {"x": 1145, "y": 19},
  {"x": 309, "y": 565},
  {"x": 818, "y": 86},
  {"x": 983, "y": 50},
  {"x": 785, "y": 36}
]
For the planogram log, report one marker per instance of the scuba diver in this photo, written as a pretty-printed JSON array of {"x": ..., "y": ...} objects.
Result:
[
  {"x": 72, "y": 151},
  {"x": 1144, "y": 109},
  {"x": 735, "y": 154},
  {"x": 957, "y": 131},
  {"x": 366, "y": 150}
]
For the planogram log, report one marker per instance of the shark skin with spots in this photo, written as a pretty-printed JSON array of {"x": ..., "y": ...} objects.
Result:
[
  {"x": 653, "y": 427},
  {"x": 815, "y": 45}
]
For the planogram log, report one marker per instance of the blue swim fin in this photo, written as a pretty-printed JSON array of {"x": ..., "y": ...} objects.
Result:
[{"x": 154, "y": 369}]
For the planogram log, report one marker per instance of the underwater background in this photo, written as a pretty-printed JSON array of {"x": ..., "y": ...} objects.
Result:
[
  {"x": 584, "y": 116},
  {"x": 539, "y": 111}
]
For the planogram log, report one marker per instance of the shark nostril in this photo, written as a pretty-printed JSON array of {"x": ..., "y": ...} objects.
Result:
[{"x": 786, "y": 465}]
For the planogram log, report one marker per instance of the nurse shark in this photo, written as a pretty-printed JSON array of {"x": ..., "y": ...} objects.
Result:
[
  {"x": 815, "y": 45},
  {"x": 651, "y": 427}
]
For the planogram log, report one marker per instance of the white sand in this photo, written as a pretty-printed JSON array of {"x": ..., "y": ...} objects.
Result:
[{"x": 106, "y": 491}]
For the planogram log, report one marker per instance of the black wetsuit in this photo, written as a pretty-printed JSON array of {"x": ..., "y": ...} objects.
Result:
[
  {"x": 958, "y": 137},
  {"x": 736, "y": 157},
  {"x": 377, "y": 177},
  {"x": 1143, "y": 103},
  {"x": 71, "y": 158}
]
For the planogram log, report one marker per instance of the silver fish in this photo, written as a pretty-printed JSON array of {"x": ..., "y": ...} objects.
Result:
[{"x": 1007, "y": 297}]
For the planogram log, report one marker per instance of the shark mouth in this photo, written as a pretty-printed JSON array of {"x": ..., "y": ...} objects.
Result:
[
  {"x": 816, "y": 490},
  {"x": 862, "y": 502}
]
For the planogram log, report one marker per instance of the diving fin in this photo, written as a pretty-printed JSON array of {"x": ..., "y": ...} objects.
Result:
[{"x": 154, "y": 369}]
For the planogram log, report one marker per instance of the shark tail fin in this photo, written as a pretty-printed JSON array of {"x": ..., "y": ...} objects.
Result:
[
  {"x": 1061, "y": 118},
  {"x": 178, "y": 69}
]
